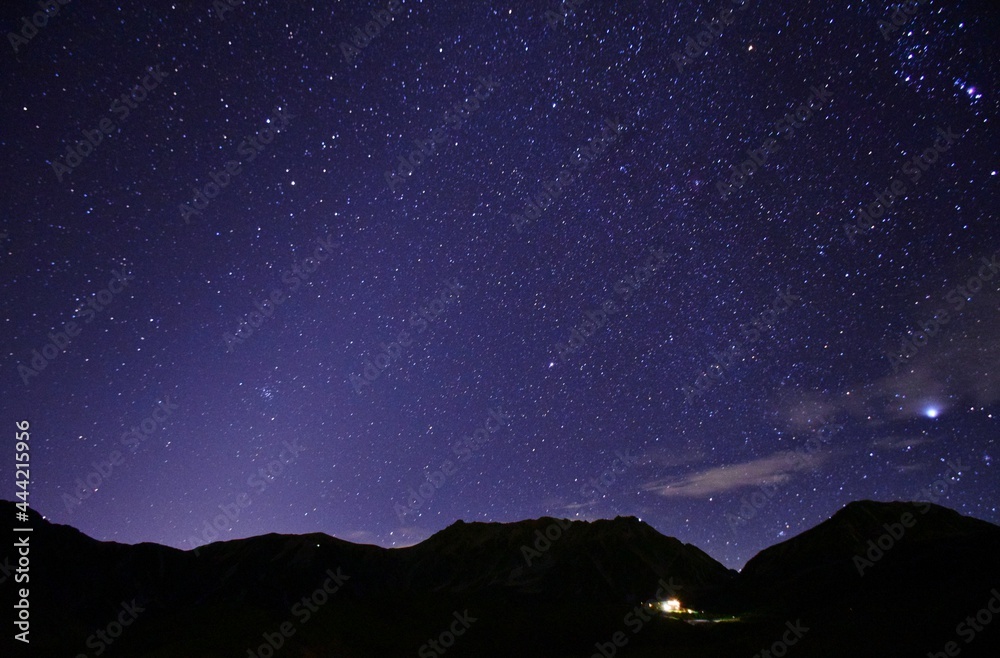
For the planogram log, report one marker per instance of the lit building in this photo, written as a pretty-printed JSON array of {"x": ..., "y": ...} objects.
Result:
[{"x": 673, "y": 606}]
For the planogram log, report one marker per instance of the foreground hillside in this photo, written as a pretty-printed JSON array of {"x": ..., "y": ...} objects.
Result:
[{"x": 542, "y": 587}]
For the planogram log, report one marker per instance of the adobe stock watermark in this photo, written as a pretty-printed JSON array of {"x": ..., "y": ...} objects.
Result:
[
  {"x": 697, "y": 45},
  {"x": 878, "y": 548},
  {"x": 121, "y": 107},
  {"x": 581, "y": 159},
  {"x": 103, "y": 638},
  {"x": 291, "y": 279},
  {"x": 914, "y": 340},
  {"x": 752, "y": 332},
  {"x": 303, "y": 611},
  {"x": 600, "y": 485},
  {"x": 785, "y": 128},
  {"x": 544, "y": 538},
  {"x": 90, "y": 483},
  {"x": 463, "y": 449},
  {"x": 597, "y": 486},
  {"x": 458, "y": 114},
  {"x": 914, "y": 169},
  {"x": 249, "y": 148},
  {"x": 22, "y": 609},
  {"x": 259, "y": 482},
  {"x": 563, "y": 12},
  {"x": 802, "y": 456},
  {"x": 223, "y": 7},
  {"x": 59, "y": 341},
  {"x": 899, "y": 17},
  {"x": 6, "y": 569},
  {"x": 31, "y": 25},
  {"x": 970, "y": 627},
  {"x": 637, "y": 619},
  {"x": 624, "y": 288},
  {"x": 381, "y": 18},
  {"x": 789, "y": 638},
  {"x": 420, "y": 320},
  {"x": 445, "y": 640}
]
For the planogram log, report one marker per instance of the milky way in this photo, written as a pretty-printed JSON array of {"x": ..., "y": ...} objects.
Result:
[{"x": 367, "y": 269}]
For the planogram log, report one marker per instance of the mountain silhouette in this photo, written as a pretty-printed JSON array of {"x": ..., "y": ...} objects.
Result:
[{"x": 545, "y": 587}]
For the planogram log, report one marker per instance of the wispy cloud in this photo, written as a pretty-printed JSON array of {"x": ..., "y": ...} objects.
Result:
[
  {"x": 960, "y": 365},
  {"x": 773, "y": 469}
]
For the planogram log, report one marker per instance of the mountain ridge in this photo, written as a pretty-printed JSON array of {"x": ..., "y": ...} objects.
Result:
[{"x": 551, "y": 586}]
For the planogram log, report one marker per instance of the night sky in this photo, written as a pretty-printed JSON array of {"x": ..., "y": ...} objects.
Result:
[{"x": 494, "y": 263}]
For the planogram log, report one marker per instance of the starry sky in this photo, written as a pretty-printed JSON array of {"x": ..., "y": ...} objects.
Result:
[{"x": 722, "y": 267}]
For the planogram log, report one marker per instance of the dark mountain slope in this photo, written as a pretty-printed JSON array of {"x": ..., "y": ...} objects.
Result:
[
  {"x": 865, "y": 547},
  {"x": 875, "y": 566},
  {"x": 548, "y": 588},
  {"x": 612, "y": 560}
]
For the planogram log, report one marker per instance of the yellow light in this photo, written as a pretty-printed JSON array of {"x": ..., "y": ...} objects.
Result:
[{"x": 671, "y": 605}]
